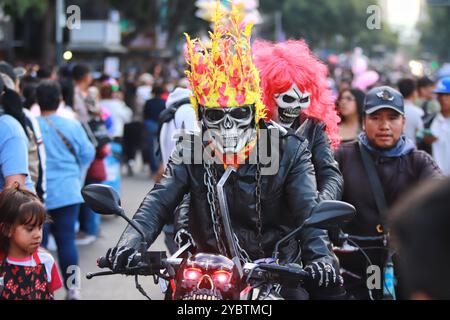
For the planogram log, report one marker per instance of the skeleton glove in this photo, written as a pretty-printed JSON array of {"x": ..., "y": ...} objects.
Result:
[
  {"x": 120, "y": 258},
  {"x": 324, "y": 275}
]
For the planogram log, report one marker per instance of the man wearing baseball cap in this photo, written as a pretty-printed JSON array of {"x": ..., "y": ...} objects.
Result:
[
  {"x": 378, "y": 169},
  {"x": 440, "y": 127}
]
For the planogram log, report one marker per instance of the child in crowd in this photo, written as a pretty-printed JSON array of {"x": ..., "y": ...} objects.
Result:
[{"x": 26, "y": 272}]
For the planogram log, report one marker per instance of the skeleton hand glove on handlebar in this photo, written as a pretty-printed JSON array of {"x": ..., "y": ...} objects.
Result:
[
  {"x": 121, "y": 258},
  {"x": 324, "y": 275}
]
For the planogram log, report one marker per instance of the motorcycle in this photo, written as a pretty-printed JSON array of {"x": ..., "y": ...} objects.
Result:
[
  {"x": 345, "y": 243},
  {"x": 190, "y": 275}
]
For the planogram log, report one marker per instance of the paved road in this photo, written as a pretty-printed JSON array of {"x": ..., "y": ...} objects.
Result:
[{"x": 116, "y": 287}]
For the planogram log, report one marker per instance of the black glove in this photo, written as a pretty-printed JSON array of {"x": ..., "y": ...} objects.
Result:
[
  {"x": 120, "y": 258},
  {"x": 324, "y": 275}
]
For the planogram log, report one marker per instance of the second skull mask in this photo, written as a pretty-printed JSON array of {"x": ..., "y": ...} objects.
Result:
[{"x": 290, "y": 104}]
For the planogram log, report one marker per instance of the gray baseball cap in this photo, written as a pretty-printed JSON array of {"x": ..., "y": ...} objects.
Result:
[{"x": 384, "y": 97}]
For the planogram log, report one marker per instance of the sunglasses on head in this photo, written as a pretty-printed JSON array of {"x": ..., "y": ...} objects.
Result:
[{"x": 218, "y": 114}]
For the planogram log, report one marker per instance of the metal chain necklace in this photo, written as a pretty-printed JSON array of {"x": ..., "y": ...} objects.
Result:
[
  {"x": 210, "y": 181},
  {"x": 259, "y": 223}
]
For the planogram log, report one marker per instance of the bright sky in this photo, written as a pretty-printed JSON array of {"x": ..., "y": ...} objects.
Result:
[{"x": 403, "y": 12}]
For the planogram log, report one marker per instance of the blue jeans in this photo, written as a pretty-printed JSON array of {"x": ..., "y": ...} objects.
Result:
[
  {"x": 89, "y": 220},
  {"x": 63, "y": 229},
  {"x": 152, "y": 135}
]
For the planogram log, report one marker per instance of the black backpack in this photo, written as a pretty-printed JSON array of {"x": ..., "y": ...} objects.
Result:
[{"x": 168, "y": 114}]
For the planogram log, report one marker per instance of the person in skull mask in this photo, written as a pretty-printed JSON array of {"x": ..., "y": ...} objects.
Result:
[
  {"x": 263, "y": 206},
  {"x": 296, "y": 91}
]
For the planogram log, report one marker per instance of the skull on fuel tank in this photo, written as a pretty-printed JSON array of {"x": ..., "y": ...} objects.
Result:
[{"x": 207, "y": 277}]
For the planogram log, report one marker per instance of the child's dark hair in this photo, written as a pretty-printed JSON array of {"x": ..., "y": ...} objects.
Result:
[{"x": 18, "y": 207}]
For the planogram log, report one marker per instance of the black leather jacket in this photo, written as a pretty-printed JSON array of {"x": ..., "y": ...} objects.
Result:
[
  {"x": 287, "y": 200},
  {"x": 314, "y": 242},
  {"x": 328, "y": 176}
]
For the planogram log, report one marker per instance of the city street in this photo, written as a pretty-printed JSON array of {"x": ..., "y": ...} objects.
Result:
[{"x": 116, "y": 287}]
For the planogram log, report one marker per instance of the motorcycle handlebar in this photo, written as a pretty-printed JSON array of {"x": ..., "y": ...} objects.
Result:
[
  {"x": 361, "y": 238},
  {"x": 289, "y": 273},
  {"x": 141, "y": 267},
  {"x": 342, "y": 245}
]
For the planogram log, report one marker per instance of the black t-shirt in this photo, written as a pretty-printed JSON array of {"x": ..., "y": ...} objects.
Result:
[{"x": 153, "y": 108}]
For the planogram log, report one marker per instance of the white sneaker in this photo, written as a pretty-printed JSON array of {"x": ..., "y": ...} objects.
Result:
[
  {"x": 85, "y": 240},
  {"x": 73, "y": 294}
]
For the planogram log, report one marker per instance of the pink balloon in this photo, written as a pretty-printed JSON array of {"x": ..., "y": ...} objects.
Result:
[
  {"x": 365, "y": 80},
  {"x": 359, "y": 66}
]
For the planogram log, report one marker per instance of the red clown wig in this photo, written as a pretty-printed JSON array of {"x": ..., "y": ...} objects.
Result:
[{"x": 283, "y": 64}]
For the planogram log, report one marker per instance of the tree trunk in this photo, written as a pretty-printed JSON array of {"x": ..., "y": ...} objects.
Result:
[{"x": 47, "y": 54}]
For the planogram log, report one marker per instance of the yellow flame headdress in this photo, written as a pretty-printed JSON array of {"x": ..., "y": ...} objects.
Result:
[{"x": 223, "y": 74}]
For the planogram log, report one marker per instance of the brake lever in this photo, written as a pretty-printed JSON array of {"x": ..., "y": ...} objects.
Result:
[{"x": 91, "y": 275}]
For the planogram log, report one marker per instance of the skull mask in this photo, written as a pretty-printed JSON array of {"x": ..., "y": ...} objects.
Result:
[
  {"x": 290, "y": 104},
  {"x": 229, "y": 129},
  {"x": 207, "y": 277}
]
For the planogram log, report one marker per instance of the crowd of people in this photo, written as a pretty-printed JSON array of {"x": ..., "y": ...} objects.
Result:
[{"x": 59, "y": 127}]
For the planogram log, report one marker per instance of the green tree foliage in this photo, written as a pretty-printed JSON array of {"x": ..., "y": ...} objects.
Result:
[
  {"x": 18, "y": 8},
  {"x": 436, "y": 32},
  {"x": 331, "y": 24},
  {"x": 177, "y": 16}
]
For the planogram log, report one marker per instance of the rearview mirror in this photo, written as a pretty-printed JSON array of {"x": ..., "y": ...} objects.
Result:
[
  {"x": 330, "y": 214},
  {"x": 102, "y": 199}
]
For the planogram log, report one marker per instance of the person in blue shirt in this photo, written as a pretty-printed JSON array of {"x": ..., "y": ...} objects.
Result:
[
  {"x": 69, "y": 154},
  {"x": 13, "y": 154},
  {"x": 13, "y": 150}
]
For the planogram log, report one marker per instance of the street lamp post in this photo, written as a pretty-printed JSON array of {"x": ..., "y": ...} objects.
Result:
[{"x": 59, "y": 25}]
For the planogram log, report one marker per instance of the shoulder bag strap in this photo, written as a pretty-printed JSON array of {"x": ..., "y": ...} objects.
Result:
[
  {"x": 63, "y": 138},
  {"x": 375, "y": 183}
]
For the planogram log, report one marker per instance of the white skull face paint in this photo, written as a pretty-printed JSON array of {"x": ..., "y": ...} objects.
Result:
[
  {"x": 290, "y": 104},
  {"x": 230, "y": 129}
]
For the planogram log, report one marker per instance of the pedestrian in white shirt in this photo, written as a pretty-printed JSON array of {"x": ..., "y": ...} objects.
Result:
[
  {"x": 120, "y": 112},
  {"x": 143, "y": 93},
  {"x": 413, "y": 114},
  {"x": 440, "y": 127}
]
